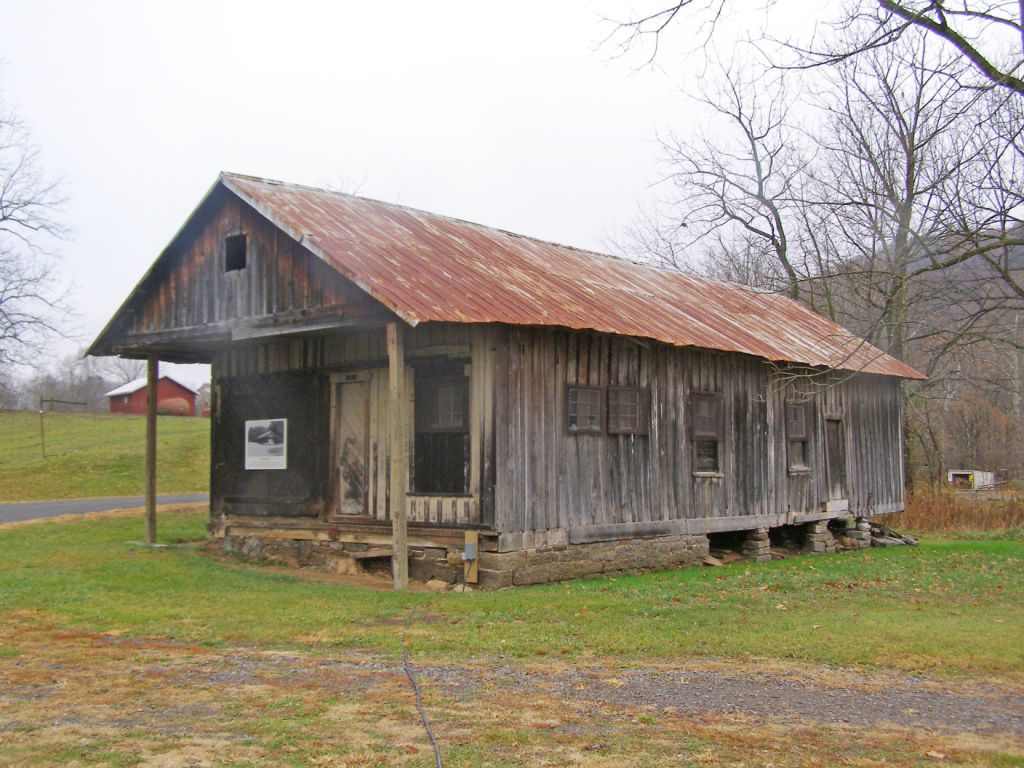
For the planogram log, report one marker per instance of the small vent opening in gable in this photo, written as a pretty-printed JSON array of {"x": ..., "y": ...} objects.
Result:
[{"x": 234, "y": 252}]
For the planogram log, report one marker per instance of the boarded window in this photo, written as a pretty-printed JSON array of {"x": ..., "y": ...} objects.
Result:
[
  {"x": 441, "y": 449},
  {"x": 798, "y": 432},
  {"x": 835, "y": 458},
  {"x": 705, "y": 456},
  {"x": 234, "y": 253},
  {"x": 629, "y": 410},
  {"x": 797, "y": 455},
  {"x": 583, "y": 410},
  {"x": 707, "y": 428}
]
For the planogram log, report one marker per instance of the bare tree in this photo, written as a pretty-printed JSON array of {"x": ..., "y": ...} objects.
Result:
[
  {"x": 898, "y": 217},
  {"x": 122, "y": 370},
  {"x": 735, "y": 183},
  {"x": 893, "y": 146},
  {"x": 74, "y": 378},
  {"x": 656, "y": 235},
  {"x": 32, "y": 307},
  {"x": 977, "y": 31},
  {"x": 921, "y": 205},
  {"x": 987, "y": 34}
]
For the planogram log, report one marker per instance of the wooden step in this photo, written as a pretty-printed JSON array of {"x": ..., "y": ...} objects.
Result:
[{"x": 372, "y": 553}]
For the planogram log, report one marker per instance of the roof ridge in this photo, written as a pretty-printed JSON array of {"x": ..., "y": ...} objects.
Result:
[
  {"x": 457, "y": 219},
  {"x": 619, "y": 259}
]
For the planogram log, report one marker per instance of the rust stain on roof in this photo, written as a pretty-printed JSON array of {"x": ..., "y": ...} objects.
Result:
[{"x": 426, "y": 267}]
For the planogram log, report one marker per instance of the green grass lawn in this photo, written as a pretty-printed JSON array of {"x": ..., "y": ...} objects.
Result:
[
  {"x": 98, "y": 455},
  {"x": 115, "y": 654},
  {"x": 948, "y": 607}
]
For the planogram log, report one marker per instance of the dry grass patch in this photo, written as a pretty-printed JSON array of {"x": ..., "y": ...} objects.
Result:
[
  {"x": 930, "y": 511},
  {"x": 78, "y": 699}
]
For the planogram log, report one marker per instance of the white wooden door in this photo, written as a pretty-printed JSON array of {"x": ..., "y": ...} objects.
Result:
[{"x": 351, "y": 409}]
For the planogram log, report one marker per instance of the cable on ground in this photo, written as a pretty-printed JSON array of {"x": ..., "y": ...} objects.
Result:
[{"x": 416, "y": 688}]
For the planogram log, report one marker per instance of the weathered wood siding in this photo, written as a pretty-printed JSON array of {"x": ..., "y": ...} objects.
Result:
[
  {"x": 528, "y": 473},
  {"x": 551, "y": 479},
  {"x": 244, "y": 375},
  {"x": 297, "y": 490},
  {"x": 190, "y": 288}
]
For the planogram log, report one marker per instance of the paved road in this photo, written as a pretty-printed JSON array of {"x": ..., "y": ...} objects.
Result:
[{"x": 32, "y": 510}]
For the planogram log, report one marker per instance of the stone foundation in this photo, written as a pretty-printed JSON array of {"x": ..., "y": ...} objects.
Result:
[
  {"x": 857, "y": 534},
  {"x": 575, "y": 561},
  {"x": 757, "y": 546},
  {"x": 547, "y": 556},
  {"x": 818, "y": 539},
  {"x": 425, "y": 563},
  {"x": 496, "y": 569}
]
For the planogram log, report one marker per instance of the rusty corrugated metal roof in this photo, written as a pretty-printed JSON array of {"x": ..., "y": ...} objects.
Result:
[{"x": 426, "y": 267}]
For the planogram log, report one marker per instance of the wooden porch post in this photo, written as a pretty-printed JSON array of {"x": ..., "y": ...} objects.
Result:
[
  {"x": 152, "y": 366},
  {"x": 399, "y": 454}
]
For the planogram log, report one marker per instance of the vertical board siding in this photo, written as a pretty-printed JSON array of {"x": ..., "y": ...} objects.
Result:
[
  {"x": 529, "y": 474},
  {"x": 192, "y": 288},
  {"x": 548, "y": 478},
  {"x": 365, "y": 349}
]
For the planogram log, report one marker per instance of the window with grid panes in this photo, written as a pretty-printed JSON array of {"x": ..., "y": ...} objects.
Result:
[
  {"x": 628, "y": 410},
  {"x": 583, "y": 410},
  {"x": 441, "y": 442},
  {"x": 706, "y": 418}
]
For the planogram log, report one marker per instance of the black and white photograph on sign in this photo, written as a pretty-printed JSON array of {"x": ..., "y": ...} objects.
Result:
[{"x": 266, "y": 444}]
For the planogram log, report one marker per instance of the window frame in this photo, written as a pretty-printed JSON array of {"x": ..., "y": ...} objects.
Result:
[
  {"x": 600, "y": 409},
  {"x": 433, "y": 383},
  {"x": 643, "y": 411},
  {"x": 698, "y": 435},
  {"x": 428, "y": 378},
  {"x": 793, "y": 464}
]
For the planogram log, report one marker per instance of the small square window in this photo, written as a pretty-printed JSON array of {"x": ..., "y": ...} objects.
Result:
[
  {"x": 583, "y": 410},
  {"x": 234, "y": 253},
  {"x": 628, "y": 410}
]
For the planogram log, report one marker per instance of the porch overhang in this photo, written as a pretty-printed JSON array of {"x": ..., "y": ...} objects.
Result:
[{"x": 199, "y": 343}]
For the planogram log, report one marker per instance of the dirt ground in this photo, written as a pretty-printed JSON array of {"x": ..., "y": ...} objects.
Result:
[{"x": 90, "y": 699}]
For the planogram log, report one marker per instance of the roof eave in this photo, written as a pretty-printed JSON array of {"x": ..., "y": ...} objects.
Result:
[
  {"x": 101, "y": 347},
  {"x": 309, "y": 244}
]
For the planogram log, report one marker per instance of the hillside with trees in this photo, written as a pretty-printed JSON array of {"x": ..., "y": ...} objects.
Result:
[{"x": 873, "y": 172}]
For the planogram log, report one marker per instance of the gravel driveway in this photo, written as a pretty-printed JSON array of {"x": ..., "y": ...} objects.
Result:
[
  {"x": 780, "y": 697},
  {"x": 804, "y": 694},
  {"x": 186, "y": 705}
]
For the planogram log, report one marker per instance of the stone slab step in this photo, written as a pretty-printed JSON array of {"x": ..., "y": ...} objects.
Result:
[{"x": 372, "y": 553}]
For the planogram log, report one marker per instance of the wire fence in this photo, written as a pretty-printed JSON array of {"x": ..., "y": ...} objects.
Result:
[{"x": 54, "y": 441}]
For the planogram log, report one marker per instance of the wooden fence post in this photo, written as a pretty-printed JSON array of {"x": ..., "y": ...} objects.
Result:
[{"x": 152, "y": 367}]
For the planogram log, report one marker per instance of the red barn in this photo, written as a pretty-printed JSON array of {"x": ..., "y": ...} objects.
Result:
[{"x": 131, "y": 397}]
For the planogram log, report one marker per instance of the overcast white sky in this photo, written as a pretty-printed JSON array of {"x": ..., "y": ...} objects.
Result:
[{"x": 508, "y": 114}]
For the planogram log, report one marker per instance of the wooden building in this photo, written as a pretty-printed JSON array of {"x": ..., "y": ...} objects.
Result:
[
  {"x": 563, "y": 411},
  {"x": 171, "y": 393}
]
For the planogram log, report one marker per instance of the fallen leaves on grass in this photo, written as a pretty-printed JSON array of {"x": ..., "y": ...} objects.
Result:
[{"x": 95, "y": 699}]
